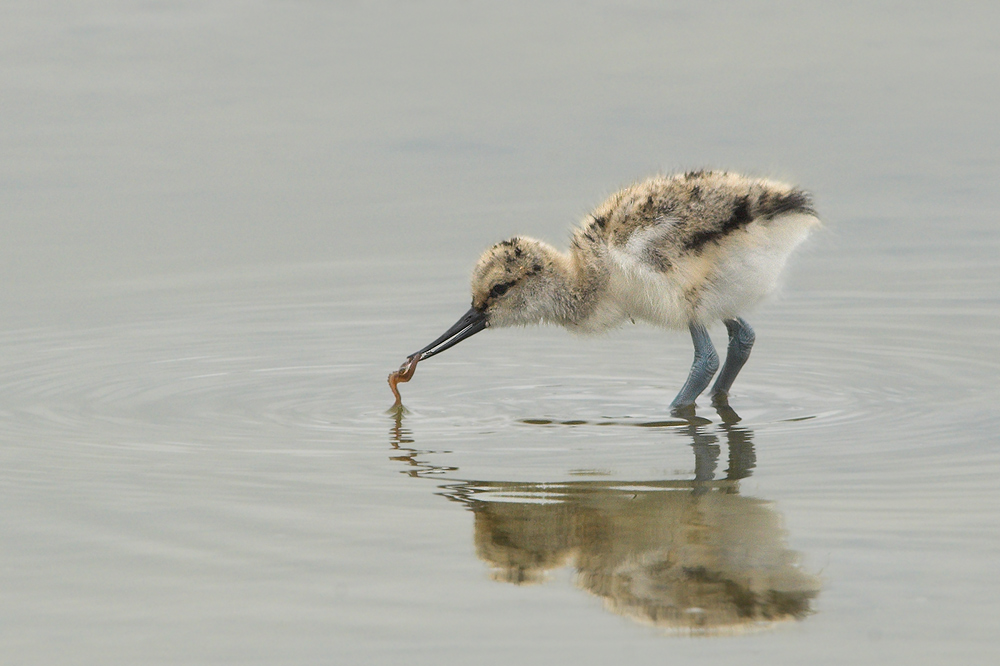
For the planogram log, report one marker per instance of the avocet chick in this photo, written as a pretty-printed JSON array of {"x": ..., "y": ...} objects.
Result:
[{"x": 682, "y": 251}]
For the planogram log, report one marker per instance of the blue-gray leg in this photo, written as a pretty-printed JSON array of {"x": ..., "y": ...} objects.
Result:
[
  {"x": 741, "y": 338},
  {"x": 706, "y": 362}
]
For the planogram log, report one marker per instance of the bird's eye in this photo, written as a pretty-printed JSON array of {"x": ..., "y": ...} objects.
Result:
[{"x": 499, "y": 290}]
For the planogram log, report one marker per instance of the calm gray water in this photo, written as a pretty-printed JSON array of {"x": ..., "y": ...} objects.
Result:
[{"x": 224, "y": 223}]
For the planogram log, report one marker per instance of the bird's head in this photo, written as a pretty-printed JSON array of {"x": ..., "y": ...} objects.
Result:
[
  {"x": 512, "y": 285},
  {"x": 511, "y": 281}
]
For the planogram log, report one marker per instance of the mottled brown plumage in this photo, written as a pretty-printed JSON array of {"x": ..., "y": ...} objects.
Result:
[
  {"x": 661, "y": 250},
  {"x": 680, "y": 251}
]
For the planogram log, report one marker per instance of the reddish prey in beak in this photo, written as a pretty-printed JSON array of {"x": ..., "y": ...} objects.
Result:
[{"x": 471, "y": 323}]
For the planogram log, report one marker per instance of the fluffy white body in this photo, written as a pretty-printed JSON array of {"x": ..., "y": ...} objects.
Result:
[{"x": 737, "y": 275}]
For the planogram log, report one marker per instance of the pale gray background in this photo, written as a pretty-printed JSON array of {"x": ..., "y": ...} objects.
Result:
[{"x": 223, "y": 223}]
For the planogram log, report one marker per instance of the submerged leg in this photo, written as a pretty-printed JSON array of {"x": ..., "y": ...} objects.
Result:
[
  {"x": 741, "y": 339},
  {"x": 706, "y": 362}
]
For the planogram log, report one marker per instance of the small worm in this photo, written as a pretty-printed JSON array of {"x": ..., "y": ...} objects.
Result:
[{"x": 404, "y": 374}]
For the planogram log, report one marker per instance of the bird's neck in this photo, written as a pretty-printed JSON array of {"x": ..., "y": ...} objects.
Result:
[{"x": 576, "y": 285}]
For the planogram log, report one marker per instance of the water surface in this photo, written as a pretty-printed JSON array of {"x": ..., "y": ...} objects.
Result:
[{"x": 225, "y": 223}]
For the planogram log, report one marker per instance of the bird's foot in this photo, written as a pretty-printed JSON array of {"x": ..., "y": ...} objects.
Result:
[
  {"x": 720, "y": 400},
  {"x": 686, "y": 412}
]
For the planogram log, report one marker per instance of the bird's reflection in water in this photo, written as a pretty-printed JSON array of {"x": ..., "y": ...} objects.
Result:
[{"x": 686, "y": 555}]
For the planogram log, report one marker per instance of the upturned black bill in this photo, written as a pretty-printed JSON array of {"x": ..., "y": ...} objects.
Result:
[{"x": 471, "y": 323}]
